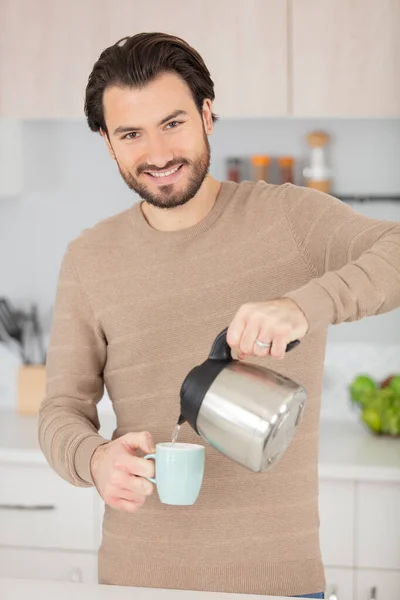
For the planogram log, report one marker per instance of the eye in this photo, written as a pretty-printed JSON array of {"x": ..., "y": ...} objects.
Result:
[
  {"x": 173, "y": 124},
  {"x": 134, "y": 135}
]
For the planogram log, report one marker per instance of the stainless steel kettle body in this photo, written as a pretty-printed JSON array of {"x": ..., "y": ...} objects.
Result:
[{"x": 247, "y": 412}]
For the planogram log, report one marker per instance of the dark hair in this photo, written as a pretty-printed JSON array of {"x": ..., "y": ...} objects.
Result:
[{"x": 134, "y": 61}]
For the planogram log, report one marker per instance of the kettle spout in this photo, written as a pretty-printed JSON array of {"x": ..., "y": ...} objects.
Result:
[{"x": 181, "y": 420}]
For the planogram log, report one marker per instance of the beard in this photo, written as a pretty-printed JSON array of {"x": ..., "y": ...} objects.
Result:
[{"x": 165, "y": 197}]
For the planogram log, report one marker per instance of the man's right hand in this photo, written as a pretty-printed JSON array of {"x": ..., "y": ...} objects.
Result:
[{"x": 119, "y": 475}]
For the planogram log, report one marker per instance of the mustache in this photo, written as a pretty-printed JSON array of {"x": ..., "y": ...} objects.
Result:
[{"x": 169, "y": 165}]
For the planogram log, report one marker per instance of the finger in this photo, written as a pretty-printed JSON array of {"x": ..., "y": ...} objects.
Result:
[
  {"x": 278, "y": 348},
  {"x": 236, "y": 328},
  {"x": 124, "y": 481},
  {"x": 138, "y": 440},
  {"x": 132, "y": 495},
  {"x": 249, "y": 337},
  {"x": 264, "y": 336},
  {"x": 260, "y": 351},
  {"x": 140, "y": 486},
  {"x": 125, "y": 505},
  {"x": 135, "y": 465},
  {"x": 115, "y": 492}
]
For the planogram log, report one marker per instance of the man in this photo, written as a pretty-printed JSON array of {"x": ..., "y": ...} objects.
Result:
[{"x": 140, "y": 299}]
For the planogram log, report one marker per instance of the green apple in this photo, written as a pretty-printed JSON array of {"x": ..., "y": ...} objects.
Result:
[{"x": 372, "y": 418}]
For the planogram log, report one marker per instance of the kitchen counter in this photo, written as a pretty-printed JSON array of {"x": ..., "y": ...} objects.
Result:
[
  {"x": 347, "y": 450},
  {"x": 19, "y": 589}
]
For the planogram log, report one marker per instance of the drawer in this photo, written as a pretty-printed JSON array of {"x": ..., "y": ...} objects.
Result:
[
  {"x": 339, "y": 584},
  {"x": 43, "y": 564},
  {"x": 336, "y": 511},
  {"x": 377, "y": 585},
  {"x": 378, "y": 526},
  {"x": 38, "y": 509}
]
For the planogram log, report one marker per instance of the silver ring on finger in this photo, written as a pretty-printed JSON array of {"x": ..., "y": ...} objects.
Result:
[{"x": 261, "y": 344}]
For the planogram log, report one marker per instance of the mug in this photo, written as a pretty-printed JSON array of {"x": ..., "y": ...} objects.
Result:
[{"x": 179, "y": 472}]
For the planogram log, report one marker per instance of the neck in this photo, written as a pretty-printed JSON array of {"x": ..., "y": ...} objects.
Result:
[{"x": 191, "y": 213}]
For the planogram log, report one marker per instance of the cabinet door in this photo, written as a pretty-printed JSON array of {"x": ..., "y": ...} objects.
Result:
[
  {"x": 41, "y": 564},
  {"x": 38, "y": 509},
  {"x": 378, "y": 526},
  {"x": 339, "y": 584},
  {"x": 244, "y": 45},
  {"x": 336, "y": 512},
  {"x": 377, "y": 585},
  {"x": 48, "y": 49},
  {"x": 346, "y": 57}
]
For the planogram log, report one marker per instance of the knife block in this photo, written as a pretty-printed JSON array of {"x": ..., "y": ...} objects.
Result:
[{"x": 31, "y": 388}]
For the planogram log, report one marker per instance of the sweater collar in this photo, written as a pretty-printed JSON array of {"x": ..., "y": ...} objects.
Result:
[{"x": 147, "y": 231}]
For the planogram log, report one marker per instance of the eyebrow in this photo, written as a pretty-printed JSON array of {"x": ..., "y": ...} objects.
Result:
[{"x": 174, "y": 115}]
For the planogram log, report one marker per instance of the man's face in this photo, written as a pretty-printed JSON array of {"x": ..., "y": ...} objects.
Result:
[{"x": 159, "y": 139}]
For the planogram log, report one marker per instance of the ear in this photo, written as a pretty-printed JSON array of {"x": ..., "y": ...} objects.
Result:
[
  {"x": 207, "y": 116},
  {"x": 107, "y": 141}
]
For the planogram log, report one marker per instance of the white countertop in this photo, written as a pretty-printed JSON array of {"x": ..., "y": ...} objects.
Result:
[
  {"x": 347, "y": 450},
  {"x": 20, "y": 589}
]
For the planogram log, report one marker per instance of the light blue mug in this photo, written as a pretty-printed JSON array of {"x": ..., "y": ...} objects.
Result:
[{"x": 179, "y": 472}]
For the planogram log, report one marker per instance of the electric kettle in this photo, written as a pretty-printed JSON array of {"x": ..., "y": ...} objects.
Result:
[{"x": 247, "y": 412}]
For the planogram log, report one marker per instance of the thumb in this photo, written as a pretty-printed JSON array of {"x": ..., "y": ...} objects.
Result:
[{"x": 139, "y": 440}]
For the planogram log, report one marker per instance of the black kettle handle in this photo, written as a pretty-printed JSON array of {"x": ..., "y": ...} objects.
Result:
[{"x": 222, "y": 351}]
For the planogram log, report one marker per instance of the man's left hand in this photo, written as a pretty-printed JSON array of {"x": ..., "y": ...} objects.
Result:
[{"x": 276, "y": 322}]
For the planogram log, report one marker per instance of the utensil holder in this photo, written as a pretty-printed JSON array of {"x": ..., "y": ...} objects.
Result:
[{"x": 31, "y": 388}]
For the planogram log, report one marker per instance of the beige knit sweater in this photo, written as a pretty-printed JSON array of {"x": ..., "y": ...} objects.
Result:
[{"x": 137, "y": 308}]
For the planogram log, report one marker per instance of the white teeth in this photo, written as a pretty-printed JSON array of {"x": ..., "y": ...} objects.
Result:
[{"x": 164, "y": 174}]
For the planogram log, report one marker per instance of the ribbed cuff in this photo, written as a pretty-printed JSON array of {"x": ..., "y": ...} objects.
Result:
[
  {"x": 83, "y": 455},
  {"x": 316, "y": 304}
]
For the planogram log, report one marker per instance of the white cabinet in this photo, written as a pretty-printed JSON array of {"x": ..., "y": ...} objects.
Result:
[
  {"x": 38, "y": 509},
  {"x": 47, "y": 526},
  {"x": 42, "y": 564},
  {"x": 11, "y": 171},
  {"x": 360, "y": 539},
  {"x": 339, "y": 584},
  {"x": 377, "y": 521},
  {"x": 377, "y": 585},
  {"x": 336, "y": 510},
  {"x": 345, "y": 58}
]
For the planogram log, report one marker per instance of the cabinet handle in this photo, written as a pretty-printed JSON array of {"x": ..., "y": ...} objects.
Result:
[
  {"x": 76, "y": 576},
  {"x": 333, "y": 595},
  {"x": 27, "y": 507},
  {"x": 373, "y": 595}
]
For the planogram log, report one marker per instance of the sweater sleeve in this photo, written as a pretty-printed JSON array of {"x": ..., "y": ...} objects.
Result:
[
  {"x": 68, "y": 418},
  {"x": 354, "y": 260}
]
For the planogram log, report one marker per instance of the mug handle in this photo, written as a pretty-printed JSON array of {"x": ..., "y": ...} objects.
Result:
[{"x": 148, "y": 457}]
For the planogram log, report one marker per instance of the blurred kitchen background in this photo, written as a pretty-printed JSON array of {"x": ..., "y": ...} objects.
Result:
[{"x": 288, "y": 74}]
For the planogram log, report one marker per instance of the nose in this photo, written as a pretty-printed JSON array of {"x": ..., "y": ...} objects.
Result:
[{"x": 158, "y": 152}]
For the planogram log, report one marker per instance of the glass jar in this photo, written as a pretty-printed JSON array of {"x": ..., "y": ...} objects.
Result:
[
  {"x": 286, "y": 164},
  {"x": 260, "y": 167},
  {"x": 317, "y": 174},
  {"x": 233, "y": 169}
]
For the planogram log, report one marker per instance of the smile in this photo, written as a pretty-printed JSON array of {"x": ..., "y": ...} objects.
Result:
[
  {"x": 163, "y": 178},
  {"x": 164, "y": 173}
]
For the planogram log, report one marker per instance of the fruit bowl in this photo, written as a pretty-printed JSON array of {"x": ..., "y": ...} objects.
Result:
[{"x": 378, "y": 403}]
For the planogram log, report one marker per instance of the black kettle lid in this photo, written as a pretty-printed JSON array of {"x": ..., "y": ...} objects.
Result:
[{"x": 199, "y": 380}]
